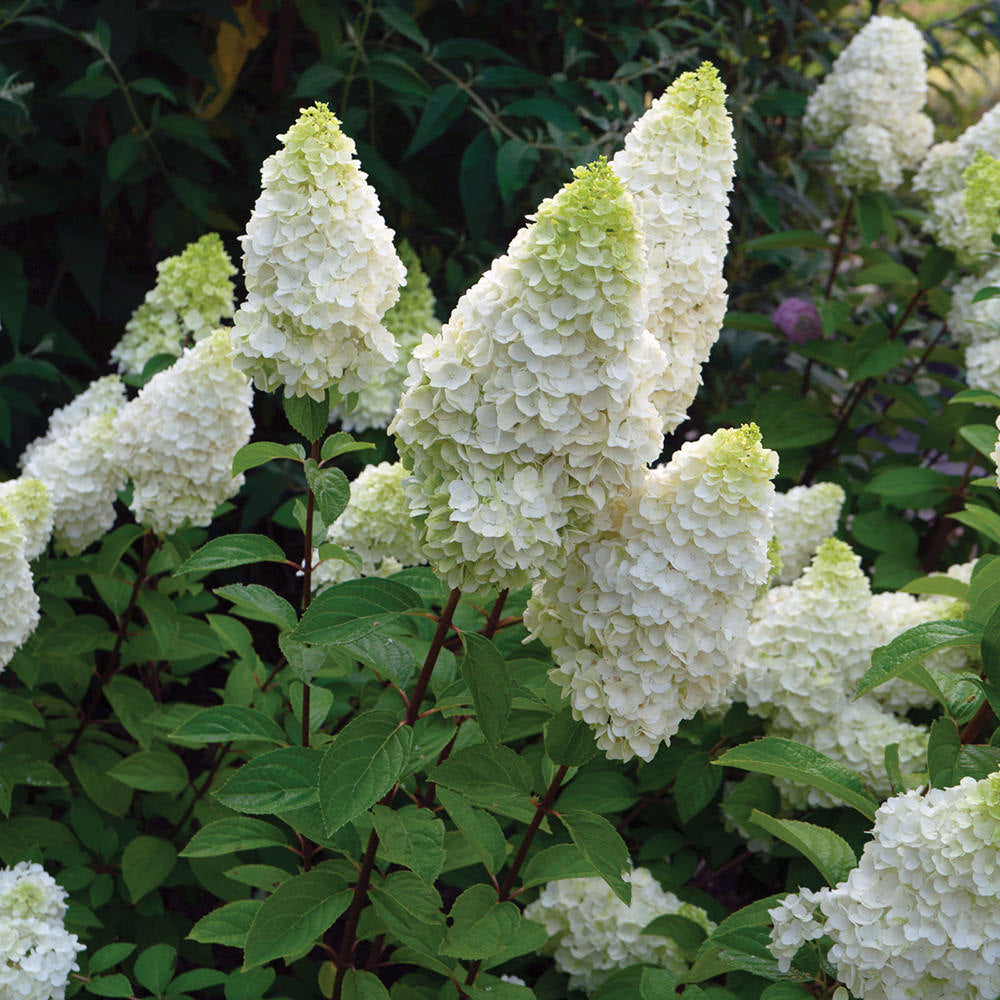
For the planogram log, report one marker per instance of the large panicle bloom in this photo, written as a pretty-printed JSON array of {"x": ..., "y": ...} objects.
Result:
[
  {"x": 678, "y": 165},
  {"x": 975, "y": 322},
  {"x": 531, "y": 407},
  {"x": 37, "y": 953},
  {"x": 75, "y": 462},
  {"x": 192, "y": 295},
  {"x": 646, "y": 620},
  {"x": 918, "y": 917},
  {"x": 408, "y": 320},
  {"x": 869, "y": 108},
  {"x": 377, "y": 525},
  {"x": 803, "y": 517},
  {"x": 320, "y": 268},
  {"x": 941, "y": 181},
  {"x": 29, "y": 501},
  {"x": 592, "y": 933},
  {"x": 18, "y": 600},
  {"x": 177, "y": 439}
]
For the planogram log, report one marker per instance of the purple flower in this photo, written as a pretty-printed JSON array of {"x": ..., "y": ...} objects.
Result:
[{"x": 798, "y": 320}]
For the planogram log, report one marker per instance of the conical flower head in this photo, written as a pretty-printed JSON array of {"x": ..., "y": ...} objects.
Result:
[
  {"x": 408, "y": 321},
  {"x": 803, "y": 518},
  {"x": 532, "y": 406},
  {"x": 646, "y": 619},
  {"x": 177, "y": 439},
  {"x": 18, "y": 600},
  {"x": 192, "y": 295},
  {"x": 320, "y": 268},
  {"x": 678, "y": 165},
  {"x": 29, "y": 501}
]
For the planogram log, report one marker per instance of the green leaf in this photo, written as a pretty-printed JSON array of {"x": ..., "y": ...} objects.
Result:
[
  {"x": 264, "y": 603},
  {"x": 980, "y": 519},
  {"x": 828, "y": 851},
  {"x": 275, "y": 781},
  {"x": 442, "y": 108},
  {"x": 982, "y": 437},
  {"x": 887, "y": 272},
  {"x": 342, "y": 443},
  {"x": 874, "y": 359},
  {"x": 411, "y": 910},
  {"x": 349, "y": 602},
  {"x": 910, "y": 487},
  {"x": 696, "y": 784},
  {"x": 115, "y": 985},
  {"x": 934, "y": 267},
  {"x": 884, "y": 531},
  {"x": 989, "y": 292},
  {"x": 480, "y": 924},
  {"x": 937, "y": 583},
  {"x": 787, "y": 240},
  {"x": 516, "y": 162},
  {"x": 146, "y": 862},
  {"x": 122, "y": 153},
  {"x": 488, "y": 677},
  {"x": 152, "y": 771},
  {"x": 303, "y": 661},
  {"x": 331, "y": 491},
  {"x": 557, "y": 862},
  {"x": 154, "y": 968},
  {"x": 16, "y": 709},
  {"x": 362, "y": 763},
  {"x": 601, "y": 845},
  {"x": 639, "y": 982},
  {"x": 360, "y": 985},
  {"x": 943, "y": 750},
  {"x": 192, "y": 132},
  {"x": 154, "y": 87},
  {"x": 108, "y": 956},
  {"x": 231, "y": 550},
  {"x": 976, "y": 396},
  {"x": 234, "y": 833},
  {"x": 225, "y": 723},
  {"x": 787, "y": 420},
  {"x": 984, "y": 590},
  {"x": 295, "y": 915},
  {"x": 259, "y": 452},
  {"x": 480, "y": 829},
  {"x": 228, "y": 925},
  {"x": 787, "y": 759},
  {"x": 309, "y": 417},
  {"x": 892, "y": 769},
  {"x": 568, "y": 741},
  {"x": 411, "y": 837},
  {"x": 686, "y": 933},
  {"x": 492, "y": 776}
]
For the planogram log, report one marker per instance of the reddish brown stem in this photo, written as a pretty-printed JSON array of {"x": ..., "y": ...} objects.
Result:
[
  {"x": 977, "y": 723},
  {"x": 494, "y": 617},
  {"x": 444, "y": 624},
  {"x": 354, "y": 914},
  {"x": 838, "y": 251}
]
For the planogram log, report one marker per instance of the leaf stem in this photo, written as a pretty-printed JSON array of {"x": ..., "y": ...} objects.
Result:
[{"x": 444, "y": 624}]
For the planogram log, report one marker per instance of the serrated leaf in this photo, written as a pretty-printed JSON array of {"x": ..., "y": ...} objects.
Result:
[
  {"x": 480, "y": 923},
  {"x": 228, "y": 723},
  {"x": 488, "y": 677},
  {"x": 228, "y": 925},
  {"x": 146, "y": 862},
  {"x": 982, "y": 437},
  {"x": 601, "y": 844},
  {"x": 696, "y": 784},
  {"x": 480, "y": 829},
  {"x": 342, "y": 443},
  {"x": 111, "y": 954},
  {"x": 557, "y": 862},
  {"x": 829, "y": 852},
  {"x": 943, "y": 749},
  {"x": 980, "y": 519},
  {"x": 360, "y": 985},
  {"x": 984, "y": 294},
  {"x": 260, "y": 452},
  {"x": 411, "y": 837},
  {"x": 152, "y": 771},
  {"x": 684, "y": 932},
  {"x": 330, "y": 489},
  {"x": 229, "y": 551},
  {"x": 154, "y": 968},
  {"x": 273, "y": 782},
  {"x": 308, "y": 416},
  {"x": 234, "y": 833},
  {"x": 569, "y": 741},
  {"x": 787, "y": 240},
  {"x": 265, "y": 604}
]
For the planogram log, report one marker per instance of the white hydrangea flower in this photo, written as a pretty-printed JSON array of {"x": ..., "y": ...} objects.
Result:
[
  {"x": 532, "y": 406},
  {"x": 592, "y": 933},
  {"x": 646, "y": 619},
  {"x": 377, "y": 525},
  {"x": 192, "y": 295},
  {"x": 803, "y": 517},
  {"x": 177, "y": 439},
  {"x": 868, "y": 109},
  {"x": 37, "y": 953},
  {"x": 982, "y": 366},
  {"x": 75, "y": 461},
  {"x": 918, "y": 917},
  {"x": 941, "y": 182},
  {"x": 408, "y": 320},
  {"x": 29, "y": 501},
  {"x": 18, "y": 600},
  {"x": 320, "y": 268},
  {"x": 678, "y": 164},
  {"x": 980, "y": 322}
]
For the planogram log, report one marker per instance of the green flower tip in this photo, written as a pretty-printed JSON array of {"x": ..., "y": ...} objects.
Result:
[
  {"x": 833, "y": 554},
  {"x": 740, "y": 452},
  {"x": 699, "y": 89},
  {"x": 317, "y": 122},
  {"x": 982, "y": 192}
]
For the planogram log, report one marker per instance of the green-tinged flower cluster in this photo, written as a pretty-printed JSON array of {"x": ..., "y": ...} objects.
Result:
[
  {"x": 18, "y": 600},
  {"x": 29, "y": 501},
  {"x": 982, "y": 193}
]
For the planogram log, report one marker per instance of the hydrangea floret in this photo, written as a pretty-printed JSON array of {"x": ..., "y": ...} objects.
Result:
[
  {"x": 869, "y": 108},
  {"x": 803, "y": 517},
  {"x": 646, "y": 620},
  {"x": 29, "y": 501},
  {"x": 192, "y": 295},
  {"x": 532, "y": 405},
  {"x": 177, "y": 439},
  {"x": 18, "y": 600},
  {"x": 37, "y": 953},
  {"x": 592, "y": 932},
  {"x": 918, "y": 917},
  {"x": 678, "y": 164},
  {"x": 320, "y": 268},
  {"x": 982, "y": 193}
]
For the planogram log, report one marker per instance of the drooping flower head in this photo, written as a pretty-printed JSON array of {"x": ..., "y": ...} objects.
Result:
[
  {"x": 192, "y": 295},
  {"x": 647, "y": 618},
  {"x": 532, "y": 405},
  {"x": 678, "y": 165},
  {"x": 177, "y": 439},
  {"x": 320, "y": 268},
  {"x": 29, "y": 501},
  {"x": 868, "y": 109},
  {"x": 918, "y": 917},
  {"x": 803, "y": 517},
  {"x": 18, "y": 600}
]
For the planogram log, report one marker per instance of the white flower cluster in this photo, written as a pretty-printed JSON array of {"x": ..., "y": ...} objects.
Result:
[
  {"x": 592, "y": 933},
  {"x": 678, "y": 165},
  {"x": 941, "y": 182},
  {"x": 978, "y": 326},
  {"x": 320, "y": 268},
  {"x": 408, "y": 320},
  {"x": 918, "y": 917},
  {"x": 75, "y": 462},
  {"x": 18, "y": 600},
  {"x": 37, "y": 953},
  {"x": 177, "y": 439},
  {"x": 646, "y": 618},
  {"x": 532, "y": 406},
  {"x": 869, "y": 107},
  {"x": 29, "y": 501},
  {"x": 803, "y": 517},
  {"x": 192, "y": 294},
  {"x": 377, "y": 525}
]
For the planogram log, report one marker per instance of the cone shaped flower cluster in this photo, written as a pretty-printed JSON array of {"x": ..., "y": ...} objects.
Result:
[
  {"x": 678, "y": 165},
  {"x": 37, "y": 953},
  {"x": 646, "y": 620},
  {"x": 192, "y": 295},
  {"x": 592, "y": 933},
  {"x": 18, "y": 600},
  {"x": 408, "y": 320},
  {"x": 177, "y": 439},
  {"x": 869, "y": 107},
  {"x": 532, "y": 406},
  {"x": 320, "y": 268},
  {"x": 75, "y": 462},
  {"x": 803, "y": 517},
  {"x": 918, "y": 917},
  {"x": 29, "y": 501}
]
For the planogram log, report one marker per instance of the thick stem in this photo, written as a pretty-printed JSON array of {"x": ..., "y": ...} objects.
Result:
[
  {"x": 354, "y": 914},
  {"x": 444, "y": 624},
  {"x": 494, "y": 619},
  {"x": 976, "y": 724}
]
